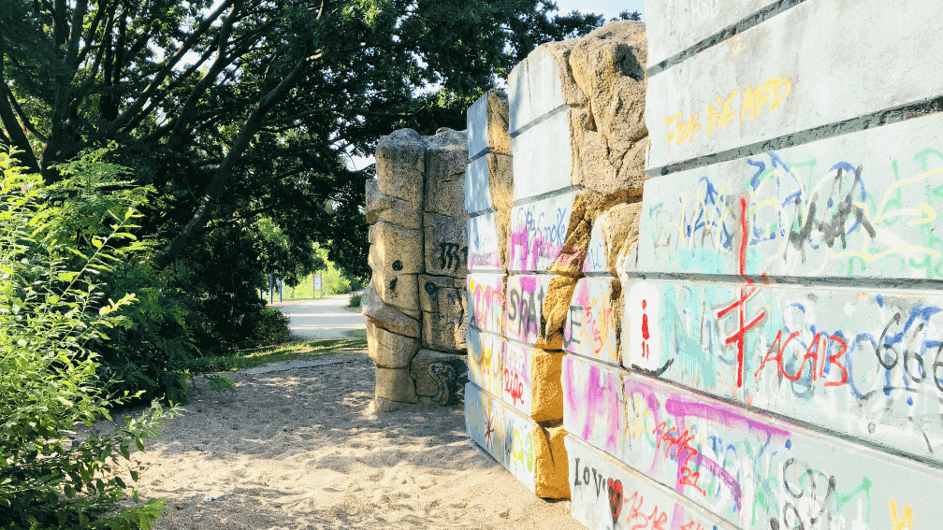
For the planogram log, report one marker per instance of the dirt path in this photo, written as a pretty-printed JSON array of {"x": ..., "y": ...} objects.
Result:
[
  {"x": 297, "y": 449},
  {"x": 325, "y": 318}
]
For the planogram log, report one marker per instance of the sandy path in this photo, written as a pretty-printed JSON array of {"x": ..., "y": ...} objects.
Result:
[{"x": 297, "y": 449}]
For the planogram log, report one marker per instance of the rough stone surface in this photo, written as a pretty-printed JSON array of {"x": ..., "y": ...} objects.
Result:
[
  {"x": 446, "y": 161},
  {"x": 446, "y": 245},
  {"x": 400, "y": 165},
  {"x": 488, "y": 125},
  {"x": 396, "y": 385},
  {"x": 383, "y": 406},
  {"x": 390, "y": 209},
  {"x": 395, "y": 249},
  {"x": 388, "y": 349},
  {"x": 387, "y": 316},
  {"x": 439, "y": 376},
  {"x": 552, "y": 464},
  {"x": 443, "y": 304},
  {"x": 398, "y": 290}
]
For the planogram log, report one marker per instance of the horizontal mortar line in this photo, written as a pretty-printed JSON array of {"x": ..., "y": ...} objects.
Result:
[
  {"x": 519, "y": 342},
  {"x": 885, "y": 284},
  {"x": 538, "y": 121},
  {"x": 546, "y": 195},
  {"x": 755, "y": 19},
  {"x": 875, "y": 119},
  {"x": 480, "y": 154},
  {"x": 817, "y": 429}
]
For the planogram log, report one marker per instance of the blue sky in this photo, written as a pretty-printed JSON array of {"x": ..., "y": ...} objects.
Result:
[{"x": 610, "y": 8}]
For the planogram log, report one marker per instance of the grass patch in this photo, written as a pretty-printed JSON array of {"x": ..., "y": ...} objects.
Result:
[{"x": 288, "y": 351}]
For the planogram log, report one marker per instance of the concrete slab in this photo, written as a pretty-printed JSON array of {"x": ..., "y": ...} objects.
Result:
[
  {"x": 484, "y": 245},
  {"x": 862, "y": 205},
  {"x": 593, "y": 405},
  {"x": 864, "y": 363},
  {"x": 532, "y": 382},
  {"x": 534, "y": 90},
  {"x": 609, "y": 495},
  {"x": 486, "y": 302},
  {"x": 538, "y": 231},
  {"x": 486, "y": 360},
  {"x": 773, "y": 80},
  {"x": 543, "y": 158}
]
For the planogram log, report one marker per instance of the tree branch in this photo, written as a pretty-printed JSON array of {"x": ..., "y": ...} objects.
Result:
[
  {"x": 12, "y": 126},
  {"x": 23, "y": 117}
]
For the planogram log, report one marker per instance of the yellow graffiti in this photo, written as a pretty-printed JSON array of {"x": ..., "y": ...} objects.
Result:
[
  {"x": 769, "y": 95},
  {"x": 906, "y": 521}
]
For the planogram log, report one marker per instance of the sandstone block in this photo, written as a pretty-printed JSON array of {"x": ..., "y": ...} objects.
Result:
[
  {"x": 531, "y": 382},
  {"x": 446, "y": 245},
  {"x": 593, "y": 326},
  {"x": 446, "y": 157},
  {"x": 382, "y": 406},
  {"x": 400, "y": 165},
  {"x": 388, "y": 349},
  {"x": 488, "y": 125},
  {"x": 486, "y": 302},
  {"x": 390, "y": 209},
  {"x": 486, "y": 360},
  {"x": 395, "y": 385},
  {"x": 443, "y": 312},
  {"x": 534, "y": 454},
  {"x": 536, "y": 309},
  {"x": 398, "y": 290},
  {"x": 395, "y": 249},
  {"x": 439, "y": 376},
  {"x": 489, "y": 184},
  {"x": 389, "y": 317}
]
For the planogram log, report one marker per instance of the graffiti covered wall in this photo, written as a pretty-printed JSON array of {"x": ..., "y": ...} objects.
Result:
[{"x": 779, "y": 358}]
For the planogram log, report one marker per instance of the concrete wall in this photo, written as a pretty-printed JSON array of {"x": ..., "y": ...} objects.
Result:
[
  {"x": 415, "y": 303},
  {"x": 780, "y": 319}
]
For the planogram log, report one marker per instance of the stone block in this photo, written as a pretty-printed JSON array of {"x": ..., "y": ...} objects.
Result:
[
  {"x": 594, "y": 409},
  {"x": 543, "y": 158},
  {"x": 531, "y": 380},
  {"x": 486, "y": 302},
  {"x": 394, "y": 384},
  {"x": 488, "y": 125},
  {"x": 486, "y": 246},
  {"x": 486, "y": 360},
  {"x": 750, "y": 88},
  {"x": 446, "y": 245},
  {"x": 381, "y": 208},
  {"x": 388, "y": 349},
  {"x": 395, "y": 249},
  {"x": 607, "y": 494},
  {"x": 398, "y": 290},
  {"x": 383, "y": 406},
  {"x": 862, "y": 362},
  {"x": 443, "y": 312},
  {"x": 489, "y": 184},
  {"x": 400, "y": 160},
  {"x": 387, "y": 316},
  {"x": 674, "y": 27},
  {"x": 594, "y": 322},
  {"x": 534, "y": 90},
  {"x": 536, "y": 309},
  {"x": 860, "y": 205},
  {"x": 446, "y": 157},
  {"x": 439, "y": 376},
  {"x": 539, "y": 233},
  {"x": 615, "y": 235},
  {"x": 534, "y": 454},
  {"x": 682, "y": 450}
]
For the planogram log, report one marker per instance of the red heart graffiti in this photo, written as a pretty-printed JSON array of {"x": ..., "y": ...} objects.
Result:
[{"x": 615, "y": 498}]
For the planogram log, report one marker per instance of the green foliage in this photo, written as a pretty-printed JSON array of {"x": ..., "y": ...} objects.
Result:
[
  {"x": 52, "y": 308},
  {"x": 219, "y": 383},
  {"x": 334, "y": 280},
  {"x": 241, "y": 359},
  {"x": 355, "y": 300}
]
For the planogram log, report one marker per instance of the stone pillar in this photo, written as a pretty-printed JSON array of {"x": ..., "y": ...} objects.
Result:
[{"x": 415, "y": 302}]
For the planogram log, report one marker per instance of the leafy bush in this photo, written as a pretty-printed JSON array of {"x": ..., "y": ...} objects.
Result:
[
  {"x": 52, "y": 308},
  {"x": 355, "y": 300}
]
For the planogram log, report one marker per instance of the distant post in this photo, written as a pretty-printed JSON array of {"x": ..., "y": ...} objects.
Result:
[
  {"x": 271, "y": 282},
  {"x": 317, "y": 286}
]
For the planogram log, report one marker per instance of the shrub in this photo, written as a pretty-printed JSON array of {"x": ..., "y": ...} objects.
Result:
[
  {"x": 52, "y": 308},
  {"x": 355, "y": 300}
]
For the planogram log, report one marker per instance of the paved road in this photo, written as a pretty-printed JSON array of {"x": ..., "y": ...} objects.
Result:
[{"x": 326, "y": 318}]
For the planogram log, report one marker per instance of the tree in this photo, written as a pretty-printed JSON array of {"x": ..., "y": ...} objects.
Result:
[{"x": 238, "y": 110}]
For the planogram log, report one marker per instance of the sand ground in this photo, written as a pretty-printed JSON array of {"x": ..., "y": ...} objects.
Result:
[{"x": 297, "y": 449}]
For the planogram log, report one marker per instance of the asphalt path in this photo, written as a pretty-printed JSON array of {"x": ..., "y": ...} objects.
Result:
[{"x": 324, "y": 318}]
